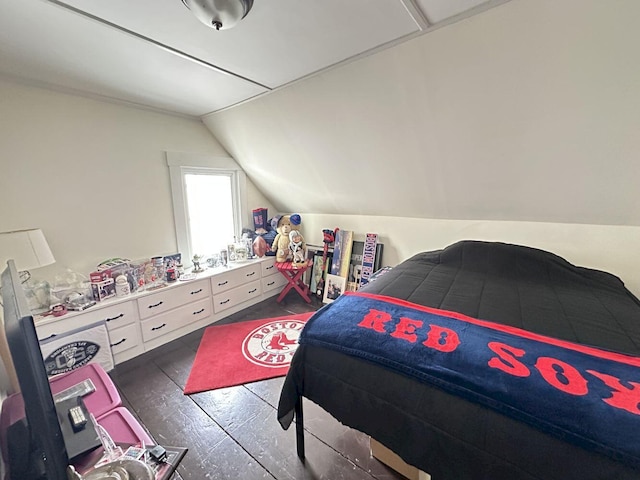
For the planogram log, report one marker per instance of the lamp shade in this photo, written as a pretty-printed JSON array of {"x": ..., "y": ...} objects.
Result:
[{"x": 28, "y": 248}]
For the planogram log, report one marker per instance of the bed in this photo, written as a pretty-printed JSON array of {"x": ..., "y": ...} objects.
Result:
[{"x": 507, "y": 412}]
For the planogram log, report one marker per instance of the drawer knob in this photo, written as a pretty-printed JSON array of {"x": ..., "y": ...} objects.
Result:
[
  {"x": 253, "y": 291},
  {"x": 199, "y": 311},
  {"x": 251, "y": 274},
  {"x": 197, "y": 291},
  {"x": 224, "y": 301},
  {"x": 269, "y": 268},
  {"x": 223, "y": 283},
  {"x": 119, "y": 343},
  {"x": 270, "y": 283},
  {"x": 155, "y": 305},
  {"x": 158, "y": 328},
  {"x": 114, "y": 318}
]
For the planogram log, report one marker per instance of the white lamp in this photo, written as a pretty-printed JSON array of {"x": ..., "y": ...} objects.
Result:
[{"x": 28, "y": 248}]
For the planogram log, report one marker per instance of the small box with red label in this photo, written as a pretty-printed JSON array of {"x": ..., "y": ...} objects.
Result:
[{"x": 97, "y": 277}]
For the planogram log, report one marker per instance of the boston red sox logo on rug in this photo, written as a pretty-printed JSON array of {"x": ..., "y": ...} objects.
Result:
[
  {"x": 273, "y": 344},
  {"x": 244, "y": 352}
]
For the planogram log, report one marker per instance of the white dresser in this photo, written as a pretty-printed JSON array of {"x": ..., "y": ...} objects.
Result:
[
  {"x": 168, "y": 314},
  {"x": 272, "y": 280},
  {"x": 235, "y": 287},
  {"x": 143, "y": 321}
]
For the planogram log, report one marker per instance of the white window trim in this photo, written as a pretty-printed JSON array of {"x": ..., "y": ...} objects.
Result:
[{"x": 181, "y": 163}]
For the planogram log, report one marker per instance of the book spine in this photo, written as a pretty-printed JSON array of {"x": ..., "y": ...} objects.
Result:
[{"x": 368, "y": 257}]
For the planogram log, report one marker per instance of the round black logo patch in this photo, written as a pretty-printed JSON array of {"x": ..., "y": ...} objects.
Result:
[{"x": 70, "y": 356}]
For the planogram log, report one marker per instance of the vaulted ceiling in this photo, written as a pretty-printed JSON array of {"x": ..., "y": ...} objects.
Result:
[
  {"x": 442, "y": 109},
  {"x": 156, "y": 53},
  {"x": 526, "y": 112}
]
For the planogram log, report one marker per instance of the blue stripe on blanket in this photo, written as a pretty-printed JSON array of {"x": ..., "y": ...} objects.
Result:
[{"x": 582, "y": 394}]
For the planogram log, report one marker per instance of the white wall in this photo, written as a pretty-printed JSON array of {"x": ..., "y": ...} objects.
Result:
[
  {"x": 517, "y": 125},
  {"x": 92, "y": 175},
  {"x": 610, "y": 248},
  {"x": 526, "y": 112}
]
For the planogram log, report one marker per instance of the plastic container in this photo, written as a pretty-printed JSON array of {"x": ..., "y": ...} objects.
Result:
[
  {"x": 106, "y": 396},
  {"x": 123, "y": 427}
]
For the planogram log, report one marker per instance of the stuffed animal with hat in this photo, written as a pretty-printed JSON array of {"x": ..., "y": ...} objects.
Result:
[
  {"x": 297, "y": 246},
  {"x": 283, "y": 224}
]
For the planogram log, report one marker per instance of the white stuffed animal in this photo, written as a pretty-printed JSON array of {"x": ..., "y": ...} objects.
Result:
[{"x": 297, "y": 247}]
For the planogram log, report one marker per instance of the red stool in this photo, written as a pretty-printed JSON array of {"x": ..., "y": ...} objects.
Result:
[{"x": 293, "y": 273}]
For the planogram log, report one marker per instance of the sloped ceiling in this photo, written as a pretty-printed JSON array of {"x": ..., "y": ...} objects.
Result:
[
  {"x": 453, "y": 109},
  {"x": 529, "y": 111},
  {"x": 155, "y": 53}
]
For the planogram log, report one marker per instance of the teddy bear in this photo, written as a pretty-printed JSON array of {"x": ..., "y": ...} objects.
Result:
[{"x": 283, "y": 225}]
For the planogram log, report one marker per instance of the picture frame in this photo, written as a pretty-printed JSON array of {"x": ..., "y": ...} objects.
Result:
[
  {"x": 316, "y": 274},
  {"x": 334, "y": 287},
  {"x": 231, "y": 252},
  {"x": 317, "y": 281},
  {"x": 170, "y": 261},
  {"x": 355, "y": 266}
]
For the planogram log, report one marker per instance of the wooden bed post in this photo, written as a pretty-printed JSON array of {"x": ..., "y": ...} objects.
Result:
[{"x": 299, "y": 428}]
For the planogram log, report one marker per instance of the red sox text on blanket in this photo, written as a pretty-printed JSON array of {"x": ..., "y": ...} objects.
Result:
[{"x": 561, "y": 375}]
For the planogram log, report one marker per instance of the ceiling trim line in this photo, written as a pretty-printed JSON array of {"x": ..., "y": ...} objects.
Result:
[
  {"x": 161, "y": 45},
  {"x": 472, "y": 12},
  {"x": 416, "y": 13},
  {"x": 423, "y": 25},
  {"x": 33, "y": 83},
  {"x": 346, "y": 61}
]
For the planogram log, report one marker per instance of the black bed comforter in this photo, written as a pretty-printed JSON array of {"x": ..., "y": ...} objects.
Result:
[{"x": 448, "y": 436}]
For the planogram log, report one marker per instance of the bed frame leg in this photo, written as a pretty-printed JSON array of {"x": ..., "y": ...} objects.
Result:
[{"x": 299, "y": 429}]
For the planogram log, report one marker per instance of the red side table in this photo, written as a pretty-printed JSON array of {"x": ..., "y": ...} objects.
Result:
[{"x": 293, "y": 273}]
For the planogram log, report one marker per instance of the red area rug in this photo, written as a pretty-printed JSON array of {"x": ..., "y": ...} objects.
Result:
[{"x": 245, "y": 352}]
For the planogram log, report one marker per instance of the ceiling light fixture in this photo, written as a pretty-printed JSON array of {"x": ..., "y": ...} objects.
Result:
[{"x": 219, "y": 14}]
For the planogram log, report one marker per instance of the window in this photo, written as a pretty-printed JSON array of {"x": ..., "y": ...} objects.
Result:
[{"x": 208, "y": 202}]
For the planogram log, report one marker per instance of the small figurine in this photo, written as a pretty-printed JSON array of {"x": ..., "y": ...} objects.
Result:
[
  {"x": 296, "y": 247},
  {"x": 196, "y": 264}
]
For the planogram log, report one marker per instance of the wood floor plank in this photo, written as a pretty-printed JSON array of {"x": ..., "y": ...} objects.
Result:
[
  {"x": 352, "y": 443},
  {"x": 252, "y": 423},
  {"x": 268, "y": 390},
  {"x": 174, "y": 419},
  {"x": 177, "y": 364},
  {"x": 233, "y": 433}
]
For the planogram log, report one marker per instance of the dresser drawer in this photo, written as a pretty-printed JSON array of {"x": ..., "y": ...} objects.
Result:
[
  {"x": 172, "y": 297},
  {"x": 59, "y": 326},
  {"x": 124, "y": 338},
  {"x": 166, "y": 322},
  {"x": 234, "y": 278},
  {"x": 269, "y": 266},
  {"x": 273, "y": 282},
  {"x": 235, "y": 296},
  {"x": 115, "y": 316}
]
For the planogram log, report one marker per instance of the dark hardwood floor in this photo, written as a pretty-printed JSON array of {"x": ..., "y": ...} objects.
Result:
[{"x": 233, "y": 433}]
